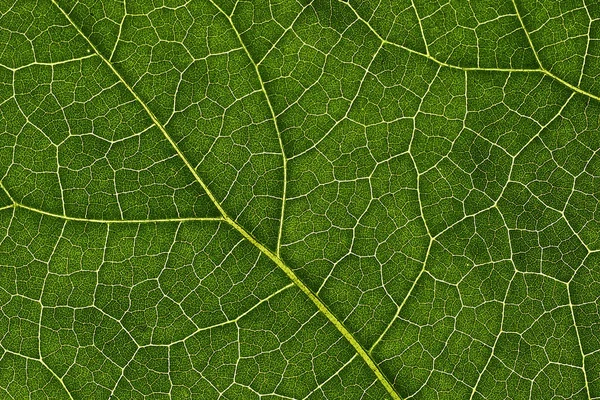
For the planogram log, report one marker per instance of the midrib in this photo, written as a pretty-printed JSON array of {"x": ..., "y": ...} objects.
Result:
[{"x": 274, "y": 257}]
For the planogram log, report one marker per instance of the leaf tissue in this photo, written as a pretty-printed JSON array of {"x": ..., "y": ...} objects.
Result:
[{"x": 294, "y": 199}]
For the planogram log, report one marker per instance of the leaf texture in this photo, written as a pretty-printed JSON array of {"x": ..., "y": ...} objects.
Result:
[{"x": 358, "y": 199}]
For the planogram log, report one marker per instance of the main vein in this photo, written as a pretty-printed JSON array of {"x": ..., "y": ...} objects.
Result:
[{"x": 274, "y": 257}]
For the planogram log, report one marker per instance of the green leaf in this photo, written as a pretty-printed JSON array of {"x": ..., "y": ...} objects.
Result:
[{"x": 299, "y": 199}]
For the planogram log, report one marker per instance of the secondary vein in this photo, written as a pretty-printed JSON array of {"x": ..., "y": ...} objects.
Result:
[
  {"x": 110, "y": 221},
  {"x": 540, "y": 69},
  {"x": 273, "y": 117}
]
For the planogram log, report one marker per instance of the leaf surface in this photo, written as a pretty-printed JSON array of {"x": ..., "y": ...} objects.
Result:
[{"x": 293, "y": 199}]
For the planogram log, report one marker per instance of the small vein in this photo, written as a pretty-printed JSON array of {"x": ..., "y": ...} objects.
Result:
[{"x": 572, "y": 311}]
